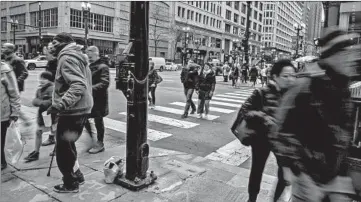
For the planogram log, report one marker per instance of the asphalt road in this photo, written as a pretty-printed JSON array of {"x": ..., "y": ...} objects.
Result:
[{"x": 207, "y": 138}]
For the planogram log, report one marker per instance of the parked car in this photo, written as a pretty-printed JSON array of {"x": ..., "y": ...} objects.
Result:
[
  {"x": 37, "y": 62},
  {"x": 171, "y": 66},
  {"x": 159, "y": 63}
]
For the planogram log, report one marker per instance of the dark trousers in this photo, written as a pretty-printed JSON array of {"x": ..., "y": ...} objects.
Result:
[
  {"x": 4, "y": 127},
  {"x": 260, "y": 153},
  {"x": 68, "y": 132},
  {"x": 152, "y": 93},
  {"x": 188, "y": 92},
  {"x": 100, "y": 129}
]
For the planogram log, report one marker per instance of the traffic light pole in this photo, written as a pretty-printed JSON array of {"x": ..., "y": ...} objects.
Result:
[
  {"x": 248, "y": 22},
  {"x": 297, "y": 42},
  {"x": 137, "y": 149}
]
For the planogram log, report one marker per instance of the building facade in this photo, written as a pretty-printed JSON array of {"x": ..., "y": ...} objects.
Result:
[
  {"x": 108, "y": 24},
  {"x": 278, "y": 27}
]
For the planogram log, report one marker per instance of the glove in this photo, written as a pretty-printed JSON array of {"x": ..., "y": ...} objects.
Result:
[
  {"x": 13, "y": 118},
  {"x": 55, "y": 109}
]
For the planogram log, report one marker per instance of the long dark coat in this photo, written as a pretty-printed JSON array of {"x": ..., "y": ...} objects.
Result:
[{"x": 100, "y": 80}]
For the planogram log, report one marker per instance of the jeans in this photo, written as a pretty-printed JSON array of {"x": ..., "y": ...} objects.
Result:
[
  {"x": 188, "y": 92},
  {"x": 4, "y": 128},
  {"x": 203, "y": 101},
  {"x": 304, "y": 188},
  {"x": 260, "y": 153},
  {"x": 152, "y": 92},
  {"x": 68, "y": 132},
  {"x": 99, "y": 128}
]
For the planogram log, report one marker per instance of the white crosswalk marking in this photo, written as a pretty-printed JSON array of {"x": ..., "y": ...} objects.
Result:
[
  {"x": 180, "y": 112},
  {"x": 168, "y": 121},
  {"x": 212, "y": 109},
  {"x": 232, "y": 96},
  {"x": 233, "y": 153},
  {"x": 221, "y": 103},
  {"x": 228, "y": 100},
  {"x": 240, "y": 95}
]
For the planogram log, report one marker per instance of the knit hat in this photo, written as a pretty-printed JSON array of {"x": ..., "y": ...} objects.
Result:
[
  {"x": 64, "y": 38},
  {"x": 46, "y": 75}
]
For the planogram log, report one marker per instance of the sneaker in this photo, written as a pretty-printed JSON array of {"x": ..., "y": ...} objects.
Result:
[
  {"x": 200, "y": 116},
  {"x": 4, "y": 165},
  {"x": 193, "y": 111},
  {"x": 33, "y": 156},
  {"x": 184, "y": 116},
  {"x": 206, "y": 116},
  {"x": 99, "y": 147},
  {"x": 80, "y": 177},
  {"x": 48, "y": 142},
  {"x": 61, "y": 188}
]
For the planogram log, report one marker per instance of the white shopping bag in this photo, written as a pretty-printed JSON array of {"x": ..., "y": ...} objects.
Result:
[
  {"x": 13, "y": 145},
  {"x": 112, "y": 168},
  {"x": 47, "y": 119}
]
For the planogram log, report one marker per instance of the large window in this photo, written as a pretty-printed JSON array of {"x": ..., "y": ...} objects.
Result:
[
  {"x": 75, "y": 18},
  {"x": 229, "y": 3},
  {"x": 236, "y": 18},
  {"x": 227, "y": 28},
  {"x": 179, "y": 11},
  {"x": 243, "y": 20},
  {"x": 260, "y": 28},
  {"x": 254, "y": 25},
  {"x": 255, "y": 14},
  {"x": 49, "y": 18},
  {"x": 261, "y": 6},
  {"x": 236, "y": 5},
  {"x": 228, "y": 15},
  {"x": 260, "y": 17},
  {"x": 3, "y": 24},
  {"x": 244, "y": 8},
  {"x": 21, "y": 20},
  {"x": 183, "y": 12},
  {"x": 95, "y": 21},
  {"x": 235, "y": 30}
]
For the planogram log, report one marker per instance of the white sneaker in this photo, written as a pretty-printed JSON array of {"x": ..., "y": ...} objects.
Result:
[
  {"x": 200, "y": 116},
  {"x": 206, "y": 116}
]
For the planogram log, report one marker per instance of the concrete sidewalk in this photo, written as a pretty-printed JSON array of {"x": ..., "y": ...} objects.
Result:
[{"x": 181, "y": 177}]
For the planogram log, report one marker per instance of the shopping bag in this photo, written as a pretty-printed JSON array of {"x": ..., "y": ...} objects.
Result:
[
  {"x": 113, "y": 167},
  {"x": 14, "y": 146}
]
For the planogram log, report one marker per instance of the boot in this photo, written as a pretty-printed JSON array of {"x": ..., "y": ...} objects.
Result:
[{"x": 33, "y": 156}]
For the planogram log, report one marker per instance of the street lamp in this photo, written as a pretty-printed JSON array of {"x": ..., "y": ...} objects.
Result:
[
  {"x": 14, "y": 24},
  {"x": 186, "y": 30},
  {"x": 298, "y": 27},
  {"x": 86, "y": 10},
  {"x": 40, "y": 24}
]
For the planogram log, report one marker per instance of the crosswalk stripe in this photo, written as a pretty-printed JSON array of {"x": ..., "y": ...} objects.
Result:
[
  {"x": 180, "y": 112},
  {"x": 240, "y": 95},
  {"x": 121, "y": 126},
  {"x": 168, "y": 121},
  {"x": 228, "y": 100},
  {"x": 230, "y": 96},
  {"x": 212, "y": 109},
  {"x": 243, "y": 93},
  {"x": 221, "y": 103},
  {"x": 233, "y": 153}
]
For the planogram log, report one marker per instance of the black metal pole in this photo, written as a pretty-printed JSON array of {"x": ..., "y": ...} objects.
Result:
[
  {"x": 248, "y": 22},
  {"x": 14, "y": 28},
  {"x": 87, "y": 13},
  {"x": 40, "y": 24},
  {"x": 297, "y": 41}
]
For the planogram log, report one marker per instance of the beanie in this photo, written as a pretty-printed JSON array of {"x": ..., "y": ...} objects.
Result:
[
  {"x": 46, "y": 75},
  {"x": 64, "y": 38}
]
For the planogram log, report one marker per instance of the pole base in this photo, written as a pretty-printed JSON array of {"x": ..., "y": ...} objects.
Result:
[{"x": 136, "y": 184}]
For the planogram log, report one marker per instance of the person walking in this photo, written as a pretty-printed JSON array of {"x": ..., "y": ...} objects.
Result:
[
  {"x": 263, "y": 104},
  {"x": 153, "y": 80},
  {"x": 10, "y": 104},
  {"x": 73, "y": 102},
  {"x": 264, "y": 76},
  {"x": 244, "y": 74},
  {"x": 100, "y": 84},
  {"x": 253, "y": 74},
  {"x": 205, "y": 86},
  {"x": 43, "y": 102},
  {"x": 226, "y": 69},
  {"x": 234, "y": 75},
  {"x": 314, "y": 131},
  {"x": 189, "y": 79}
]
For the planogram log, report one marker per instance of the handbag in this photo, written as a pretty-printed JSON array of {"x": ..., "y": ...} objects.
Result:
[
  {"x": 14, "y": 147},
  {"x": 239, "y": 128}
]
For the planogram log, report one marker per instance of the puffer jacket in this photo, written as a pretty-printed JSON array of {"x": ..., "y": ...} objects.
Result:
[
  {"x": 314, "y": 129},
  {"x": 73, "y": 82},
  {"x": 206, "y": 82},
  {"x": 10, "y": 97}
]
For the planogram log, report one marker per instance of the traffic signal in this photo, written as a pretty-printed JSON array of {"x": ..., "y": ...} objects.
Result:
[{"x": 244, "y": 42}]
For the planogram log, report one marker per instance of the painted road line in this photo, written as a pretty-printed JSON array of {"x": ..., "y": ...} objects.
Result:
[
  {"x": 120, "y": 126},
  {"x": 180, "y": 112},
  {"x": 212, "y": 109},
  {"x": 233, "y": 153},
  {"x": 221, "y": 103},
  {"x": 243, "y": 93},
  {"x": 240, "y": 95},
  {"x": 228, "y": 100},
  {"x": 168, "y": 121},
  {"x": 232, "y": 96}
]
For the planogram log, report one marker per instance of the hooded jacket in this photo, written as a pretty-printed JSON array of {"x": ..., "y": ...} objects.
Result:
[
  {"x": 10, "y": 97},
  {"x": 73, "y": 82}
]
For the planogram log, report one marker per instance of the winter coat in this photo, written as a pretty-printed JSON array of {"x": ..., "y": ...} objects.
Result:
[
  {"x": 73, "y": 82},
  {"x": 314, "y": 128},
  {"x": 190, "y": 76},
  {"x": 152, "y": 77},
  {"x": 100, "y": 80},
  {"x": 10, "y": 97},
  {"x": 19, "y": 68},
  {"x": 206, "y": 82},
  {"x": 51, "y": 67},
  {"x": 253, "y": 73},
  {"x": 43, "y": 99}
]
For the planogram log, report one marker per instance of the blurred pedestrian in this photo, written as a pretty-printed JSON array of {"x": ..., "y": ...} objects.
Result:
[
  {"x": 206, "y": 84},
  {"x": 264, "y": 76},
  {"x": 10, "y": 104},
  {"x": 253, "y": 74},
  {"x": 258, "y": 110},
  {"x": 314, "y": 128},
  {"x": 43, "y": 102},
  {"x": 100, "y": 80},
  {"x": 189, "y": 76},
  {"x": 226, "y": 69},
  {"x": 153, "y": 80},
  {"x": 73, "y": 102}
]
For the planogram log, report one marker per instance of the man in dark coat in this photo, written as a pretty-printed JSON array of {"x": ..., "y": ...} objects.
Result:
[
  {"x": 189, "y": 77},
  {"x": 100, "y": 79}
]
